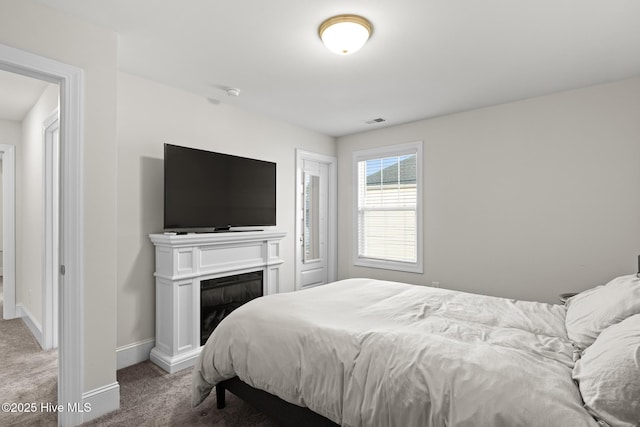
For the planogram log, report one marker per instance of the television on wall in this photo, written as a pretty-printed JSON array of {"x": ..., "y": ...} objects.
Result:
[{"x": 206, "y": 191}]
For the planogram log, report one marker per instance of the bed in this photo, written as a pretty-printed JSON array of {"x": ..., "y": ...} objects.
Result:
[{"x": 363, "y": 352}]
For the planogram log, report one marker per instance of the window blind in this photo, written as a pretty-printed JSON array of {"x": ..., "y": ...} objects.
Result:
[{"x": 387, "y": 208}]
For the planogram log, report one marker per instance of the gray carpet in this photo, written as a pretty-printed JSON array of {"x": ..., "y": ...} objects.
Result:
[
  {"x": 148, "y": 395},
  {"x": 151, "y": 397},
  {"x": 27, "y": 374}
]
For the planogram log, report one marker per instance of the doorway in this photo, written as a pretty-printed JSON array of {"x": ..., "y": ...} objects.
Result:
[
  {"x": 71, "y": 259},
  {"x": 29, "y": 128},
  {"x": 316, "y": 214}
]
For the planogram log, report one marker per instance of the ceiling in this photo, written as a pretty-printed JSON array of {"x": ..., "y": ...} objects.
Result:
[
  {"x": 426, "y": 58},
  {"x": 18, "y": 95}
]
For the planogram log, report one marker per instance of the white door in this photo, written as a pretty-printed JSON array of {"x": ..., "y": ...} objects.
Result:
[{"x": 315, "y": 220}]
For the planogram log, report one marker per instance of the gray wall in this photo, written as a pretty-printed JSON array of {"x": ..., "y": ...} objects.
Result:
[
  {"x": 30, "y": 204},
  {"x": 150, "y": 114},
  {"x": 523, "y": 200},
  {"x": 10, "y": 134}
]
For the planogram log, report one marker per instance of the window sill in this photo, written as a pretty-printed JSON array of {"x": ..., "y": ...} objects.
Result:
[{"x": 389, "y": 265}]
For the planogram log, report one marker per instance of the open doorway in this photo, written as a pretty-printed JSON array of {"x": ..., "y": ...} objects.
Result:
[
  {"x": 71, "y": 258},
  {"x": 29, "y": 132}
]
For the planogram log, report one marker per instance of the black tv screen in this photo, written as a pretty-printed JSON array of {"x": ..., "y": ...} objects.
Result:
[{"x": 204, "y": 190}]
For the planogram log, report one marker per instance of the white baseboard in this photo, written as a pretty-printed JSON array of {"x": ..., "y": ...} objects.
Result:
[
  {"x": 100, "y": 401},
  {"x": 34, "y": 326},
  {"x": 177, "y": 363},
  {"x": 134, "y": 353}
]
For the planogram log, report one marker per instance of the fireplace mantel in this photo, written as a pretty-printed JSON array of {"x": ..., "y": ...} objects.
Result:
[{"x": 182, "y": 262}]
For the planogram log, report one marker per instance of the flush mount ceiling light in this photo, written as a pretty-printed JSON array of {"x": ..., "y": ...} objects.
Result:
[{"x": 345, "y": 34}]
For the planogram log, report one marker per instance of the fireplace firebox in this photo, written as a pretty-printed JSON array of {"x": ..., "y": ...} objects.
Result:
[{"x": 220, "y": 296}]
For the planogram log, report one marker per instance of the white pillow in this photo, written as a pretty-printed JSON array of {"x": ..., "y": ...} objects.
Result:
[
  {"x": 609, "y": 374},
  {"x": 590, "y": 312}
]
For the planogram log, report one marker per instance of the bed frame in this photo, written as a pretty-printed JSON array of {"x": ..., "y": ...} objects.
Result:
[{"x": 284, "y": 413}]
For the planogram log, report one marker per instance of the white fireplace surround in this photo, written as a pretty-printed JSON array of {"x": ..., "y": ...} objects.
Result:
[{"x": 182, "y": 263}]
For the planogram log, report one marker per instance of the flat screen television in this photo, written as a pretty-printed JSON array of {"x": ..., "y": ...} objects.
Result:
[{"x": 206, "y": 191}]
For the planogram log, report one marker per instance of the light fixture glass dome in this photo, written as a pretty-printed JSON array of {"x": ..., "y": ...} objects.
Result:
[{"x": 345, "y": 34}]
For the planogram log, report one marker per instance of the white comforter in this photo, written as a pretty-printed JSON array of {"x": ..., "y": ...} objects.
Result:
[{"x": 363, "y": 352}]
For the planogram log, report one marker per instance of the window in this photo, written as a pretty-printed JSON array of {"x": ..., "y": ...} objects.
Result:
[{"x": 387, "y": 225}]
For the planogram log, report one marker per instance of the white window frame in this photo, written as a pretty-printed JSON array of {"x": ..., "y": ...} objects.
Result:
[{"x": 382, "y": 152}]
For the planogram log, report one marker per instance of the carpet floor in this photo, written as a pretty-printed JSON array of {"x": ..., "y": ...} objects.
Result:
[
  {"x": 27, "y": 374},
  {"x": 149, "y": 396}
]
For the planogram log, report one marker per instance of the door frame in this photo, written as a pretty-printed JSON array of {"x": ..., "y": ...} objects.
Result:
[
  {"x": 71, "y": 335},
  {"x": 332, "y": 210},
  {"x": 8, "y": 230},
  {"x": 50, "y": 261}
]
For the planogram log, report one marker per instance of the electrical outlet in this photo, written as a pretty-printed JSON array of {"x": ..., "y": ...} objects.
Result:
[{"x": 435, "y": 284}]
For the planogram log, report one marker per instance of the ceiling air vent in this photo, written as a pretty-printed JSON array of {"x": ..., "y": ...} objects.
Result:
[{"x": 378, "y": 120}]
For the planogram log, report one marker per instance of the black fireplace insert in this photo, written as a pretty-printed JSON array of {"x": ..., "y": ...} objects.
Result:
[{"x": 220, "y": 296}]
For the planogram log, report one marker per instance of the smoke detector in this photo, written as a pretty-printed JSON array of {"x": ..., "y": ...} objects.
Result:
[{"x": 232, "y": 91}]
